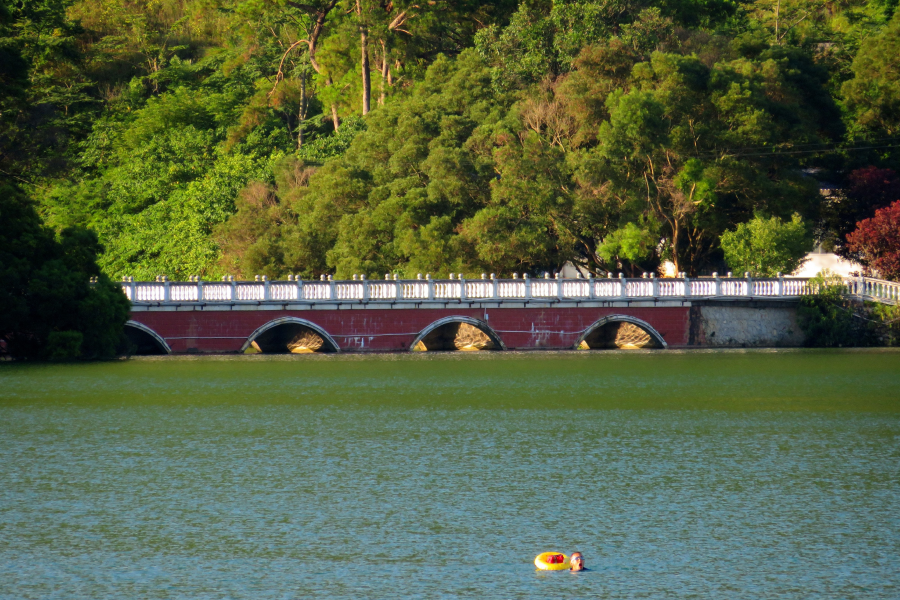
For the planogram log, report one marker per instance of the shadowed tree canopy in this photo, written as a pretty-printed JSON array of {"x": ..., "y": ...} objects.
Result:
[{"x": 48, "y": 309}]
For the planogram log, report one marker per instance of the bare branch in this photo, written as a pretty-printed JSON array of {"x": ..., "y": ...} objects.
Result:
[
  {"x": 402, "y": 18},
  {"x": 279, "y": 76},
  {"x": 797, "y": 22}
]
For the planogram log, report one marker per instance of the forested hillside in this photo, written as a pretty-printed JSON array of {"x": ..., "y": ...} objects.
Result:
[{"x": 212, "y": 137}]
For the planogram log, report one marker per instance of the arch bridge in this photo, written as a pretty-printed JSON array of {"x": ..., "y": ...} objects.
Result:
[{"x": 486, "y": 314}]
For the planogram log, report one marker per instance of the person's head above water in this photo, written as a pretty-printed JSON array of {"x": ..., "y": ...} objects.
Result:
[{"x": 576, "y": 561}]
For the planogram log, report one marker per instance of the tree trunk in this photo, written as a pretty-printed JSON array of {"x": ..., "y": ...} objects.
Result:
[
  {"x": 334, "y": 112},
  {"x": 675, "y": 232},
  {"x": 385, "y": 69},
  {"x": 334, "y": 117},
  {"x": 301, "y": 116},
  {"x": 366, "y": 77}
]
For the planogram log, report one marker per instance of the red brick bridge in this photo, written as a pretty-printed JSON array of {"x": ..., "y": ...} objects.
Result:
[{"x": 424, "y": 314}]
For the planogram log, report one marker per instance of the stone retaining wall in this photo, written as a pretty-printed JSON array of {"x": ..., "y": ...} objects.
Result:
[{"x": 745, "y": 325}]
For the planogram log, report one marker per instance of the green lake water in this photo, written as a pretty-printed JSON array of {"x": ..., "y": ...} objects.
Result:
[{"x": 763, "y": 474}]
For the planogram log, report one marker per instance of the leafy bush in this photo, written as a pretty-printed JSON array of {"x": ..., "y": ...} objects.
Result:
[
  {"x": 333, "y": 145},
  {"x": 766, "y": 247},
  {"x": 885, "y": 320},
  {"x": 826, "y": 316},
  {"x": 64, "y": 345}
]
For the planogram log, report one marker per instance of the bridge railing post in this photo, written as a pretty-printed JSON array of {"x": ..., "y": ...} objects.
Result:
[
  {"x": 749, "y": 284},
  {"x": 167, "y": 290},
  {"x": 654, "y": 284},
  {"x": 623, "y": 286},
  {"x": 462, "y": 288},
  {"x": 332, "y": 288},
  {"x": 559, "y": 287},
  {"x": 779, "y": 290},
  {"x": 591, "y": 292},
  {"x": 527, "y": 286},
  {"x": 233, "y": 288},
  {"x": 266, "y": 291},
  {"x": 199, "y": 290},
  {"x": 430, "y": 286},
  {"x": 133, "y": 289},
  {"x": 687, "y": 285},
  {"x": 299, "y": 282},
  {"x": 717, "y": 286},
  {"x": 365, "y": 286},
  {"x": 494, "y": 287}
]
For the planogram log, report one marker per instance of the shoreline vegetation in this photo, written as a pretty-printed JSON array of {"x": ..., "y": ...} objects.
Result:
[{"x": 272, "y": 137}]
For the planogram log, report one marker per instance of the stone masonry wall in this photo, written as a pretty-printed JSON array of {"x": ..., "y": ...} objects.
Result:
[{"x": 745, "y": 325}]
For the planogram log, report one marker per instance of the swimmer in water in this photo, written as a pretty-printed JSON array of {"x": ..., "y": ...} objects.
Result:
[{"x": 577, "y": 562}]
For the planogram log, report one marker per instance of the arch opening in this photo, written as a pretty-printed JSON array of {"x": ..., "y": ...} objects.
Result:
[
  {"x": 289, "y": 336},
  {"x": 621, "y": 332},
  {"x": 461, "y": 334},
  {"x": 143, "y": 341}
]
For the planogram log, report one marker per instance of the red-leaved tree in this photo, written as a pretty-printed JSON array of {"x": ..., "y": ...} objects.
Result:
[
  {"x": 866, "y": 191},
  {"x": 876, "y": 242}
]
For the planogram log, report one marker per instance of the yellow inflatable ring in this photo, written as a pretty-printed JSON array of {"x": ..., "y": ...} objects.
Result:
[{"x": 550, "y": 561}]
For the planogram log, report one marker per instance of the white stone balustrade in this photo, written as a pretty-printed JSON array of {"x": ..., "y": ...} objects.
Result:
[
  {"x": 878, "y": 290},
  {"x": 250, "y": 291},
  {"x": 496, "y": 290}
]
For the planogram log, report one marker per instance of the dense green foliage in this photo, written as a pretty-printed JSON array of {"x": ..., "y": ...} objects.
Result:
[
  {"x": 48, "y": 309},
  {"x": 829, "y": 318},
  {"x": 826, "y": 317},
  {"x": 766, "y": 247},
  {"x": 271, "y": 136}
]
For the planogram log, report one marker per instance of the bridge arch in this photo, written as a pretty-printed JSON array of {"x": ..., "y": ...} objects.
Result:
[
  {"x": 458, "y": 333},
  {"x": 145, "y": 340},
  {"x": 290, "y": 335},
  {"x": 620, "y": 331}
]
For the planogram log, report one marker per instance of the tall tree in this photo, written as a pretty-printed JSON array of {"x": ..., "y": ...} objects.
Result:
[
  {"x": 876, "y": 242},
  {"x": 873, "y": 94},
  {"x": 48, "y": 308}
]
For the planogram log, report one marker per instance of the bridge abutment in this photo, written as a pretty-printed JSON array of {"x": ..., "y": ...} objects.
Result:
[{"x": 749, "y": 324}]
